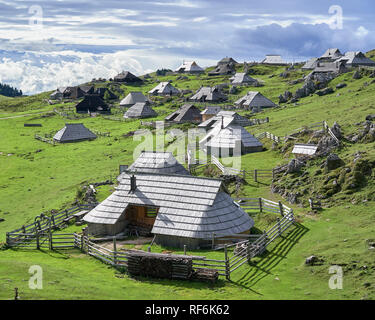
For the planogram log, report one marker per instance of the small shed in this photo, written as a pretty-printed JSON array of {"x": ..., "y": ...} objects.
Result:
[
  {"x": 189, "y": 67},
  {"x": 164, "y": 88},
  {"x": 187, "y": 113},
  {"x": 132, "y": 98},
  {"x": 229, "y": 141},
  {"x": 209, "y": 94},
  {"x": 127, "y": 77},
  {"x": 74, "y": 132},
  {"x": 91, "y": 104},
  {"x": 178, "y": 209},
  {"x": 210, "y": 112},
  {"x": 304, "y": 149},
  {"x": 140, "y": 110},
  {"x": 254, "y": 100},
  {"x": 242, "y": 79}
]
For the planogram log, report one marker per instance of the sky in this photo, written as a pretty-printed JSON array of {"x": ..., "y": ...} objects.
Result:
[{"x": 46, "y": 44}]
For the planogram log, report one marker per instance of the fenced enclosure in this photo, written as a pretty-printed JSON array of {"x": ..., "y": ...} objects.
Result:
[
  {"x": 237, "y": 248},
  {"x": 34, "y": 235},
  {"x": 46, "y": 139},
  {"x": 257, "y": 175}
]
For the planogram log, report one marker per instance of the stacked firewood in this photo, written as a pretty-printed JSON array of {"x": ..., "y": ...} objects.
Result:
[{"x": 203, "y": 274}]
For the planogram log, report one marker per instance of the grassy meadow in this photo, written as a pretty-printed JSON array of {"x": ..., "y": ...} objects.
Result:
[{"x": 37, "y": 177}]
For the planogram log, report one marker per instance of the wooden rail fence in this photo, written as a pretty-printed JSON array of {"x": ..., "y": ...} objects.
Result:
[{"x": 242, "y": 249}]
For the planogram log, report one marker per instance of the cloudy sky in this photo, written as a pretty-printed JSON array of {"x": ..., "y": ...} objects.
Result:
[{"x": 46, "y": 44}]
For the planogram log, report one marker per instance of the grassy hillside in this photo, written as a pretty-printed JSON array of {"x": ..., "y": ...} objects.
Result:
[{"x": 37, "y": 177}]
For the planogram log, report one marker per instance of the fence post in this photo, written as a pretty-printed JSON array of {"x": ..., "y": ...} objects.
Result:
[
  {"x": 53, "y": 221},
  {"x": 7, "y": 239},
  {"x": 184, "y": 249},
  {"x": 281, "y": 209},
  {"x": 50, "y": 239},
  {"x": 260, "y": 205},
  {"x": 256, "y": 175},
  {"x": 213, "y": 240},
  {"x": 227, "y": 267},
  {"x": 37, "y": 240},
  {"x": 148, "y": 249},
  {"x": 273, "y": 174},
  {"x": 114, "y": 250}
]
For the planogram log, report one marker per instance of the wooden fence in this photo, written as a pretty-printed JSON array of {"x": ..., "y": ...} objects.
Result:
[
  {"x": 33, "y": 234},
  {"x": 44, "y": 139},
  {"x": 270, "y": 136}
]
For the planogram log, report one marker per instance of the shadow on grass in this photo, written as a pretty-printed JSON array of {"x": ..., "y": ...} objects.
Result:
[{"x": 270, "y": 259}]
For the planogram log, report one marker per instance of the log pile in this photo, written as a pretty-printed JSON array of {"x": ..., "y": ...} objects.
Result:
[
  {"x": 158, "y": 266},
  {"x": 207, "y": 275}
]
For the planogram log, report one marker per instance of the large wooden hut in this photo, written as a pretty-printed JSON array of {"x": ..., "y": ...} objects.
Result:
[
  {"x": 132, "y": 98},
  {"x": 178, "y": 209},
  {"x": 254, "y": 101}
]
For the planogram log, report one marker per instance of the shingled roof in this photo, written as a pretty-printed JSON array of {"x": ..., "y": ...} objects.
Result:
[
  {"x": 134, "y": 97},
  {"x": 231, "y": 137},
  {"x": 164, "y": 88},
  {"x": 225, "y": 118},
  {"x": 140, "y": 110},
  {"x": 73, "y": 132},
  {"x": 188, "y": 112},
  {"x": 189, "y": 67},
  {"x": 254, "y": 99},
  {"x": 209, "y": 94},
  {"x": 127, "y": 77},
  {"x": 158, "y": 162},
  {"x": 357, "y": 58},
  {"x": 242, "y": 78},
  {"x": 189, "y": 206},
  {"x": 274, "y": 59}
]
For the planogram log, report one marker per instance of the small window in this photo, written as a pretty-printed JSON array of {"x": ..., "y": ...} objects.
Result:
[{"x": 151, "y": 212}]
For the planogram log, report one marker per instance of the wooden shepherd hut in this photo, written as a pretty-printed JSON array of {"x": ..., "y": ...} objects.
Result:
[
  {"x": 177, "y": 209},
  {"x": 187, "y": 113},
  {"x": 140, "y": 110},
  {"x": 254, "y": 101},
  {"x": 74, "y": 132},
  {"x": 91, "y": 104},
  {"x": 132, "y": 98}
]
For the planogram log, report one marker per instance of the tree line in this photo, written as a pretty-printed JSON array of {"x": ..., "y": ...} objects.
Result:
[{"x": 9, "y": 91}]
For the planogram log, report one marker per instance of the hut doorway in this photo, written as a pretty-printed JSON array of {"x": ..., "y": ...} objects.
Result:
[{"x": 141, "y": 219}]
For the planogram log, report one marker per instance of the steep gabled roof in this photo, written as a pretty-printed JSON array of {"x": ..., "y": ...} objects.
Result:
[
  {"x": 242, "y": 78},
  {"x": 224, "y": 119},
  {"x": 227, "y": 60},
  {"x": 332, "y": 53},
  {"x": 128, "y": 77},
  {"x": 74, "y": 132},
  {"x": 189, "y": 206},
  {"x": 357, "y": 58},
  {"x": 92, "y": 103},
  {"x": 164, "y": 88},
  {"x": 188, "y": 112},
  {"x": 140, "y": 110},
  {"x": 255, "y": 99},
  {"x": 231, "y": 136},
  {"x": 189, "y": 66},
  {"x": 209, "y": 94},
  {"x": 134, "y": 97}
]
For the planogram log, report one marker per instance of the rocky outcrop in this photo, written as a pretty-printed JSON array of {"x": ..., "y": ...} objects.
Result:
[
  {"x": 325, "y": 91},
  {"x": 333, "y": 161}
]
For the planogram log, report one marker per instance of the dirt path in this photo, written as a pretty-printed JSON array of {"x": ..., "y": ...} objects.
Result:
[{"x": 24, "y": 115}]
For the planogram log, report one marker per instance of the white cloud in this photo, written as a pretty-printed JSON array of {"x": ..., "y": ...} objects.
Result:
[{"x": 361, "y": 32}]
